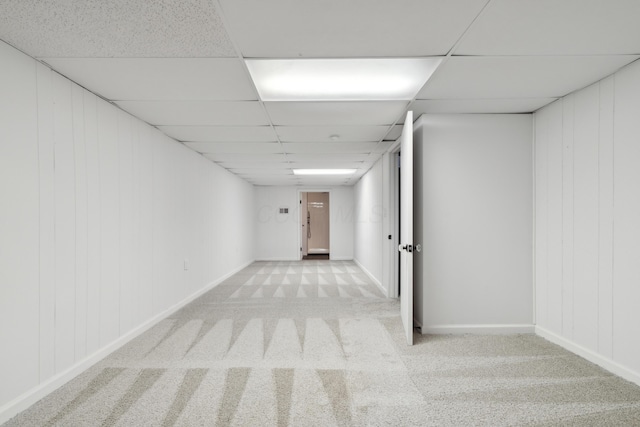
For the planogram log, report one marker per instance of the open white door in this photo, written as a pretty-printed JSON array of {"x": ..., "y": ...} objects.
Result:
[{"x": 406, "y": 227}]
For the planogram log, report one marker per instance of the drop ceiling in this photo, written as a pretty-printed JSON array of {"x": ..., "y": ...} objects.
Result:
[{"x": 179, "y": 65}]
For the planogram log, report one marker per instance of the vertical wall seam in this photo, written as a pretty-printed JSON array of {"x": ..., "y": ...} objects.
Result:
[
  {"x": 119, "y": 198},
  {"x": 86, "y": 178},
  {"x": 533, "y": 220},
  {"x": 562, "y": 242},
  {"x": 613, "y": 216},
  {"x": 100, "y": 266},
  {"x": 75, "y": 215},
  {"x": 35, "y": 63},
  {"x": 55, "y": 258},
  {"x": 573, "y": 216},
  {"x": 599, "y": 219}
]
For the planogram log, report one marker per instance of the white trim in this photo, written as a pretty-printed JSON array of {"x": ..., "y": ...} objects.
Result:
[
  {"x": 25, "y": 400},
  {"x": 590, "y": 355},
  {"x": 372, "y": 277},
  {"x": 340, "y": 258},
  {"x": 479, "y": 329},
  {"x": 277, "y": 259}
]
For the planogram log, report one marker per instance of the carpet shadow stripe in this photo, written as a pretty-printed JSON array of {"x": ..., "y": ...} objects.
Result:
[
  {"x": 234, "y": 387},
  {"x": 95, "y": 385},
  {"x": 335, "y": 386},
  {"x": 190, "y": 384},
  {"x": 206, "y": 327},
  {"x": 146, "y": 379},
  {"x": 283, "y": 379}
]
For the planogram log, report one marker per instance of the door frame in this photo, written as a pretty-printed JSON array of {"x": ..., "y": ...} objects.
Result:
[
  {"x": 299, "y": 220},
  {"x": 391, "y": 221}
]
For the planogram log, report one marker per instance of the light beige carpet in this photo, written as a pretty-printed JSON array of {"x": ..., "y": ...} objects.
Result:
[{"x": 314, "y": 343}]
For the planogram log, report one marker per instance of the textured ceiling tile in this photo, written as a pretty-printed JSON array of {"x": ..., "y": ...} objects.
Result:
[
  {"x": 197, "y": 113},
  {"x": 236, "y": 147},
  {"x": 478, "y": 106},
  {"x": 329, "y": 147},
  {"x": 115, "y": 28},
  {"x": 469, "y": 77},
  {"x": 331, "y": 133},
  {"x": 552, "y": 27},
  {"x": 339, "y": 28},
  {"x": 336, "y": 113},
  {"x": 220, "y": 133},
  {"x": 160, "y": 79}
]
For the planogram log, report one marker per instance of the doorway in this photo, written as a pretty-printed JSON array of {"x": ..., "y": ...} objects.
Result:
[{"x": 315, "y": 225}]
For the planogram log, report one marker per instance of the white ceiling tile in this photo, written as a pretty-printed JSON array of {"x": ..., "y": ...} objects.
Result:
[
  {"x": 515, "y": 105},
  {"x": 552, "y": 27},
  {"x": 246, "y": 157},
  {"x": 341, "y": 157},
  {"x": 220, "y": 133},
  {"x": 383, "y": 146},
  {"x": 329, "y": 147},
  {"x": 324, "y": 133},
  {"x": 335, "y": 113},
  {"x": 117, "y": 28},
  {"x": 326, "y": 164},
  {"x": 518, "y": 77},
  {"x": 285, "y": 170},
  {"x": 394, "y": 133},
  {"x": 253, "y": 164},
  {"x": 338, "y": 28},
  {"x": 169, "y": 79},
  {"x": 236, "y": 147},
  {"x": 274, "y": 182},
  {"x": 197, "y": 113}
]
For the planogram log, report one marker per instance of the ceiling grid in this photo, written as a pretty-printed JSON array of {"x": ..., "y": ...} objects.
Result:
[{"x": 181, "y": 67}]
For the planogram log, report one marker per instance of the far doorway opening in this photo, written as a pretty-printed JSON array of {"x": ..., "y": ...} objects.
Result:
[{"x": 314, "y": 221}]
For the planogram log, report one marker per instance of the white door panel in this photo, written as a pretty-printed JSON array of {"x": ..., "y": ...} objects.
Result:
[{"x": 406, "y": 227}]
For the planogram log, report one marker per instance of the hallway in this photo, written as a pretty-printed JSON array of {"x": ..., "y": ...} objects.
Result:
[{"x": 315, "y": 343}]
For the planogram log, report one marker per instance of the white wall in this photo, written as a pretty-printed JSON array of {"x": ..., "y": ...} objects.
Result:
[
  {"x": 587, "y": 211},
  {"x": 99, "y": 212},
  {"x": 473, "y": 195},
  {"x": 368, "y": 226},
  {"x": 277, "y": 235}
]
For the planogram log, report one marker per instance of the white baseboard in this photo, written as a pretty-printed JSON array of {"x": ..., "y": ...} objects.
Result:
[
  {"x": 276, "y": 259},
  {"x": 590, "y": 355},
  {"x": 340, "y": 258},
  {"x": 479, "y": 329},
  {"x": 372, "y": 277},
  {"x": 22, "y": 402}
]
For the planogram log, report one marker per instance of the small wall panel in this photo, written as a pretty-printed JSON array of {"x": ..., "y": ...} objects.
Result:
[
  {"x": 19, "y": 225},
  {"x": 585, "y": 216},
  {"x": 555, "y": 210},
  {"x": 81, "y": 205},
  {"x": 109, "y": 223},
  {"x": 92, "y": 153},
  {"x": 47, "y": 222},
  {"x": 128, "y": 300},
  {"x": 145, "y": 224},
  {"x": 626, "y": 249},
  {"x": 605, "y": 218},
  {"x": 65, "y": 223},
  {"x": 567, "y": 216},
  {"x": 541, "y": 215}
]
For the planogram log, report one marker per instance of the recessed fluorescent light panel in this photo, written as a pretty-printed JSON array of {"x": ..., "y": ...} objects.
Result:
[
  {"x": 376, "y": 79},
  {"x": 323, "y": 171}
]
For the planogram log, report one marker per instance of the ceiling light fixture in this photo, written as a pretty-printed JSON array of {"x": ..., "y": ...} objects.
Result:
[
  {"x": 323, "y": 171},
  {"x": 334, "y": 137},
  {"x": 374, "y": 79}
]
